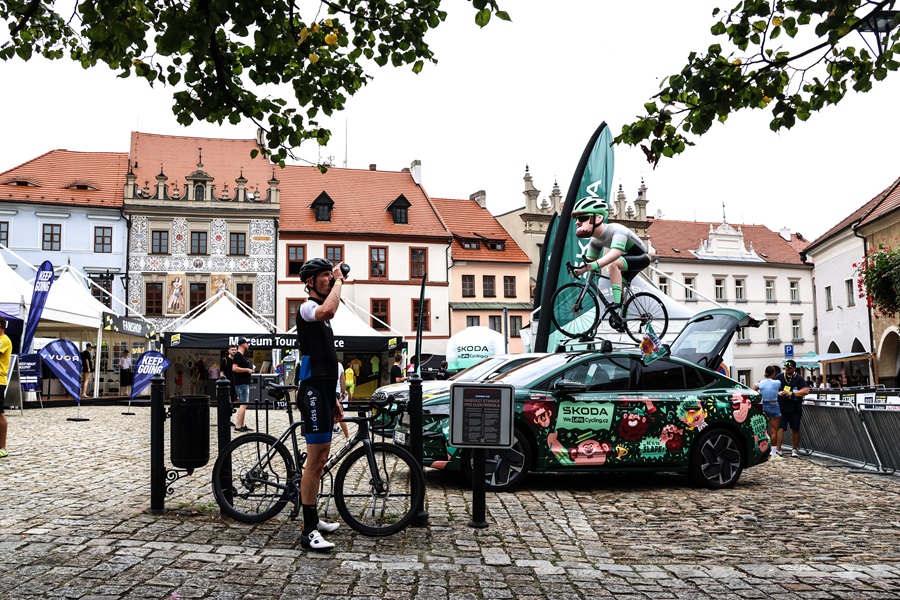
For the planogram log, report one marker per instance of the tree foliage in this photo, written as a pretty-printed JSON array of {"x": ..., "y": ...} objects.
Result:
[
  {"x": 229, "y": 60},
  {"x": 763, "y": 62}
]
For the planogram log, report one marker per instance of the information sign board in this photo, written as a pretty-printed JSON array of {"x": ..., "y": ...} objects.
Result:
[{"x": 481, "y": 415}]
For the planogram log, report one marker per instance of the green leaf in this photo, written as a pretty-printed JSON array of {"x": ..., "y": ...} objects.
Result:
[{"x": 483, "y": 17}]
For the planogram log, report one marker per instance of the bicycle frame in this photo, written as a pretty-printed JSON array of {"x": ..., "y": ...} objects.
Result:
[
  {"x": 361, "y": 436},
  {"x": 590, "y": 283}
]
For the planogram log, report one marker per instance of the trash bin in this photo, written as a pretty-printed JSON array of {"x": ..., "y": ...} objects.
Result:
[{"x": 189, "y": 440}]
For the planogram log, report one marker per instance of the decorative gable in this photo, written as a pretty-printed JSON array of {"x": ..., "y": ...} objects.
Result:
[{"x": 323, "y": 205}]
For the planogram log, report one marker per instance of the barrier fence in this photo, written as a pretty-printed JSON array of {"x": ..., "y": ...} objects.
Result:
[{"x": 860, "y": 425}]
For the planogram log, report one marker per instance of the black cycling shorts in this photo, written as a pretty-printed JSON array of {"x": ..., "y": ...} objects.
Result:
[{"x": 317, "y": 410}]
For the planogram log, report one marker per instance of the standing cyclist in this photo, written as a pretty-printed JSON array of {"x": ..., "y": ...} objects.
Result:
[
  {"x": 318, "y": 378},
  {"x": 612, "y": 245}
]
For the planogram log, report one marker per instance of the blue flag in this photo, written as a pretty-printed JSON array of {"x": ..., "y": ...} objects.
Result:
[
  {"x": 43, "y": 279},
  {"x": 148, "y": 365},
  {"x": 62, "y": 357}
]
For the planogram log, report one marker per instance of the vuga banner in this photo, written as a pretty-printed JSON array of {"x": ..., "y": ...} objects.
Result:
[
  {"x": 148, "y": 365},
  {"x": 62, "y": 357},
  {"x": 43, "y": 279},
  {"x": 30, "y": 372}
]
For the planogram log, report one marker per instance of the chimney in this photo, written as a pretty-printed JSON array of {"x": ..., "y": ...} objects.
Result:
[
  {"x": 785, "y": 233},
  {"x": 480, "y": 197},
  {"x": 373, "y": 167},
  {"x": 416, "y": 169}
]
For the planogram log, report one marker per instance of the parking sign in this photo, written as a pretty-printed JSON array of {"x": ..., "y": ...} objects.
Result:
[{"x": 789, "y": 351}]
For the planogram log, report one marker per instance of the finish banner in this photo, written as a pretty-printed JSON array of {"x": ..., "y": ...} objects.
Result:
[
  {"x": 30, "y": 372},
  {"x": 149, "y": 365},
  {"x": 43, "y": 279},
  {"x": 63, "y": 358}
]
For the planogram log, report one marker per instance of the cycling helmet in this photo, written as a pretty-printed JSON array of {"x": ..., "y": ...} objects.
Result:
[
  {"x": 313, "y": 267},
  {"x": 591, "y": 206}
]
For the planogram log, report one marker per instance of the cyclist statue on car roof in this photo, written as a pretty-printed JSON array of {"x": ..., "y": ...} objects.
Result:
[{"x": 612, "y": 245}]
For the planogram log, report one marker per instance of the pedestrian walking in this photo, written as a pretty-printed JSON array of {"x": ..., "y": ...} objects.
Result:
[{"x": 768, "y": 387}]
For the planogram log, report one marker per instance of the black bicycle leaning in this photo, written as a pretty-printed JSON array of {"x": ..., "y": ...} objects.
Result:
[
  {"x": 576, "y": 309},
  {"x": 377, "y": 487}
]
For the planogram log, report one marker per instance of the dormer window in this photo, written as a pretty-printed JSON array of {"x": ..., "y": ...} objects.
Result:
[
  {"x": 199, "y": 193},
  {"x": 469, "y": 244},
  {"x": 82, "y": 186},
  {"x": 322, "y": 207},
  {"x": 400, "y": 210},
  {"x": 22, "y": 183},
  {"x": 495, "y": 245}
]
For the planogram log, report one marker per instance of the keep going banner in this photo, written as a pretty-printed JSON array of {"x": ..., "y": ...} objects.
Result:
[
  {"x": 148, "y": 365},
  {"x": 62, "y": 357},
  {"x": 43, "y": 279}
]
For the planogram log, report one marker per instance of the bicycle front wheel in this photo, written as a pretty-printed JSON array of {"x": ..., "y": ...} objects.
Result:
[
  {"x": 382, "y": 501},
  {"x": 644, "y": 309},
  {"x": 568, "y": 317},
  {"x": 261, "y": 471}
]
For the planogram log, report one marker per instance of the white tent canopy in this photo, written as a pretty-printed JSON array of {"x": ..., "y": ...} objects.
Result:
[
  {"x": 14, "y": 291},
  {"x": 222, "y": 316},
  {"x": 70, "y": 302},
  {"x": 472, "y": 345}
]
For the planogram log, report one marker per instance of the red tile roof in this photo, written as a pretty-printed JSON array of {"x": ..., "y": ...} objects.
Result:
[
  {"x": 667, "y": 235},
  {"x": 468, "y": 220},
  {"x": 52, "y": 175},
  {"x": 177, "y": 157},
  {"x": 883, "y": 204},
  {"x": 361, "y": 199}
]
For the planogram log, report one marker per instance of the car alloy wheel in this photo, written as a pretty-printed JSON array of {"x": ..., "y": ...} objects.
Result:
[
  {"x": 717, "y": 459},
  {"x": 505, "y": 468}
]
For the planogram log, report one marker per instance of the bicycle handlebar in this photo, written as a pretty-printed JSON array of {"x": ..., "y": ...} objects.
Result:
[{"x": 280, "y": 391}]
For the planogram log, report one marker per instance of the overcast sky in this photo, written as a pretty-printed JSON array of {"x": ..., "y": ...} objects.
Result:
[{"x": 527, "y": 92}]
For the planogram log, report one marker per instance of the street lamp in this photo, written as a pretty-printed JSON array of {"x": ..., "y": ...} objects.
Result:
[{"x": 881, "y": 23}]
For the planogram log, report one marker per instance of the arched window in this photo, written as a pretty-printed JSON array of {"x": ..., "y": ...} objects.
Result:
[{"x": 199, "y": 193}]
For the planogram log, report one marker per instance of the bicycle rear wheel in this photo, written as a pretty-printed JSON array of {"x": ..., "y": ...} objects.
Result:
[
  {"x": 375, "y": 510},
  {"x": 257, "y": 462},
  {"x": 644, "y": 309},
  {"x": 566, "y": 318}
]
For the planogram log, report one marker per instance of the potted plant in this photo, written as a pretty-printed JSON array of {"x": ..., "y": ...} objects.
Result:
[{"x": 879, "y": 280}]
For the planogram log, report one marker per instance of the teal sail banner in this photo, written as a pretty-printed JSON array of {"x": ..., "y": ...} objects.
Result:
[{"x": 593, "y": 177}]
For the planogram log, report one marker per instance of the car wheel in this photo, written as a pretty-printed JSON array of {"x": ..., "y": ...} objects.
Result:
[
  {"x": 717, "y": 459},
  {"x": 506, "y": 468}
]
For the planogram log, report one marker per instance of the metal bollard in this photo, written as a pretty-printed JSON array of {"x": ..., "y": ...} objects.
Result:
[
  {"x": 415, "y": 437},
  {"x": 157, "y": 445},
  {"x": 223, "y": 418}
]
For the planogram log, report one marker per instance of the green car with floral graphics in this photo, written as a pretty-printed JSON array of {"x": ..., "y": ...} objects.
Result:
[{"x": 591, "y": 411}]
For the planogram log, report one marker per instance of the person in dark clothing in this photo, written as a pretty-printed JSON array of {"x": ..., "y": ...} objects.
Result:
[
  {"x": 241, "y": 370},
  {"x": 318, "y": 376},
  {"x": 87, "y": 368},
  {"x": 397, "y": 370},
  {"x": 225, "y": 367},
  {"x": 792, "y": 388}
]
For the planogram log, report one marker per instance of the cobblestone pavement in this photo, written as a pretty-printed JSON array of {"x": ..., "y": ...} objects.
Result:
[{"x": 74, "y": 523}]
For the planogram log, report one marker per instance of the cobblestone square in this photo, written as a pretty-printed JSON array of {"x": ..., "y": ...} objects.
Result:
[{"x": 75, "y": 523}]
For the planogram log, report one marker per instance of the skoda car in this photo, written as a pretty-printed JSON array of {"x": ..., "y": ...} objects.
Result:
[
  {"x": 482, "y": 371},
  {"x": 609, "y": 411}
]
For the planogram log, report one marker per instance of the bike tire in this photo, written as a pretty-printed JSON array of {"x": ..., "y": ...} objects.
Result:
[
  {"x": 376, "y": 513},
  {"x": 641, "y": 309},
  {"x": 255, "y": 458},
  {"x": 571, "y": 323}
]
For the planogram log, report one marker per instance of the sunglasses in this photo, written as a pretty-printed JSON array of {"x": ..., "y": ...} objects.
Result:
[{"x": 582, "y": 218}]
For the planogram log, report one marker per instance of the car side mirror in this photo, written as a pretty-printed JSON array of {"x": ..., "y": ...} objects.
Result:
[{"x": 568, "y": 386}]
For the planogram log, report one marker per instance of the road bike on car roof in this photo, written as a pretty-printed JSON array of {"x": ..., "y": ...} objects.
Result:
[
  {"x": 575, "y": 309},
  {"x": 377, "y": 487}
]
